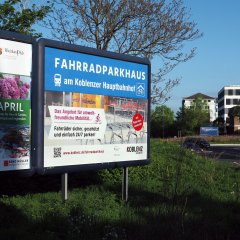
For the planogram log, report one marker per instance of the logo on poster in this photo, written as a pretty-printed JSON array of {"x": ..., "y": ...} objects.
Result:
[
  {"x": 9, "y": 52},
  {"x": 98, "y": 119},
  {"x": 140, "y": 89},
  {"x": 136, "y": 149},
  {"x": 13, "y": 52},
  {"x": 57, "y": 80},
  {"x": 137, "y": 121}
]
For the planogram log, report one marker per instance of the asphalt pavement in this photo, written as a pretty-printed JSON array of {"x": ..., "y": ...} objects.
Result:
[{"x": 225, "y": 152}]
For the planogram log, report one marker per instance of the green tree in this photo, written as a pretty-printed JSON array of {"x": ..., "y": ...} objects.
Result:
[
  {"x": 220, "y": 123},
  {"x": 190, "y": 119},
  {"x": 234, "y": 112},
  {"x": 17, "y": 16},
  {"x": 162, "y": 119},
  {"x": 144, "y": 28}
]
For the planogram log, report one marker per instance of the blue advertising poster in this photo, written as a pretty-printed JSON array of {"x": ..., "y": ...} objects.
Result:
[
  {"x": 95, "y": 109},
  {"x": 71, "y": 71},
  {"x": 209, "y": 131}
]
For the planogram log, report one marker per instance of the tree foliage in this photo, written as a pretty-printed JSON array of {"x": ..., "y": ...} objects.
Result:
[
  {"x": 234, "y": 111},
  {"x": 16, "y": 16},
  {"x": 162, "y": 119},
  {"x": 190, "y": 119},
  {"x": 144, "y": 28}
]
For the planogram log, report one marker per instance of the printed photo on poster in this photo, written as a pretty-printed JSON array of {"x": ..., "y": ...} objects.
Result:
[
  {"x": 14, "y": 121},
  {"x": 94, "y": 119},
  {"x": 80, "y": 121}
]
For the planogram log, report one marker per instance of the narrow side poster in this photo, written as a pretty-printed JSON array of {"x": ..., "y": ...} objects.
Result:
[
  {"x": 15, "y": 80},
  {"x": 95, "y": 109}
]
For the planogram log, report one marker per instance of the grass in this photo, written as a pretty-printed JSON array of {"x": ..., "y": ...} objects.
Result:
[{"x": 179, "y": 195}]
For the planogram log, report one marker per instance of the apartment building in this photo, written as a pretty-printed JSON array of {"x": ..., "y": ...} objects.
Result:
[
  {"x": 210, "y": 104},
  {"x": 228, "y": 97}
]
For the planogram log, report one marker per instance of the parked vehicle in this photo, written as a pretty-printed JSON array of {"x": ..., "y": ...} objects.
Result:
[
  {"x": 195, "y": 143},
  {"x": 204, "y": 144}
]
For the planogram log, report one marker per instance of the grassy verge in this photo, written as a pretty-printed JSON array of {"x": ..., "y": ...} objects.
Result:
[{"x": 178, "y": 196}]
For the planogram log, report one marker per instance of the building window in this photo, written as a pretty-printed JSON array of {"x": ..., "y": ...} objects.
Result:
[
  {"x": 230, "y": 92},
  {"x": 236, "y": 101},
  {"x": 228, "y": 101},
  {"x": 237, "y": 91}
]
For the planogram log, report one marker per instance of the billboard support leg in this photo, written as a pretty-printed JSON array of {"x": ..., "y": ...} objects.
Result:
[
  {"x": 125, "y": 184},
  {"x": 64, "y": 183}
]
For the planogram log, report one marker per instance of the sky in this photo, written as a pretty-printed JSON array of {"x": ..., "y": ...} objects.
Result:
[{"x": 217, "y": 62}]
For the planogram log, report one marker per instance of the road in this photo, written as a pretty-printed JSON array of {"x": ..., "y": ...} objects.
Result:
[{"x": 226, "y": 152}]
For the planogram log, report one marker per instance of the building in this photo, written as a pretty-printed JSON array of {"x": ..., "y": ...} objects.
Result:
[
  {"x": 228, "y": 97},
  {"x": 211, "y": 104}
]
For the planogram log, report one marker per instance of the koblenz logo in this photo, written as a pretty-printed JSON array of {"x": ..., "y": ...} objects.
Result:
[{"x": 136, "y": 149}]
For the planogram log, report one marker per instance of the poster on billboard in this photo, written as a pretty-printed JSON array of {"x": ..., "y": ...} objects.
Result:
[
  {"x": 95, "y": 107},
  {"x": 15, "y": 103}
]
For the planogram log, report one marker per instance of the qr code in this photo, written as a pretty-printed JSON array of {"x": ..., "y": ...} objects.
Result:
[{"x": 57, "y": 152}]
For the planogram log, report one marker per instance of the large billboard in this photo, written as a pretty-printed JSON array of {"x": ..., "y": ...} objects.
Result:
[
  {"x": 15, "y": 104},
  {"x": 95, "y": 108}
]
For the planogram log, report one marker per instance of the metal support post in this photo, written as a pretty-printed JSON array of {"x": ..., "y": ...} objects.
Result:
[
  {"x": 125, "y": 185},
  {"x": 64, "y": 183}
]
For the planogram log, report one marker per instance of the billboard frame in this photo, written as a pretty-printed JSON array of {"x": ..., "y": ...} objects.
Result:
[
  {"x": 21, "y": 38},
  {"x": 38, "y": 118}
]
